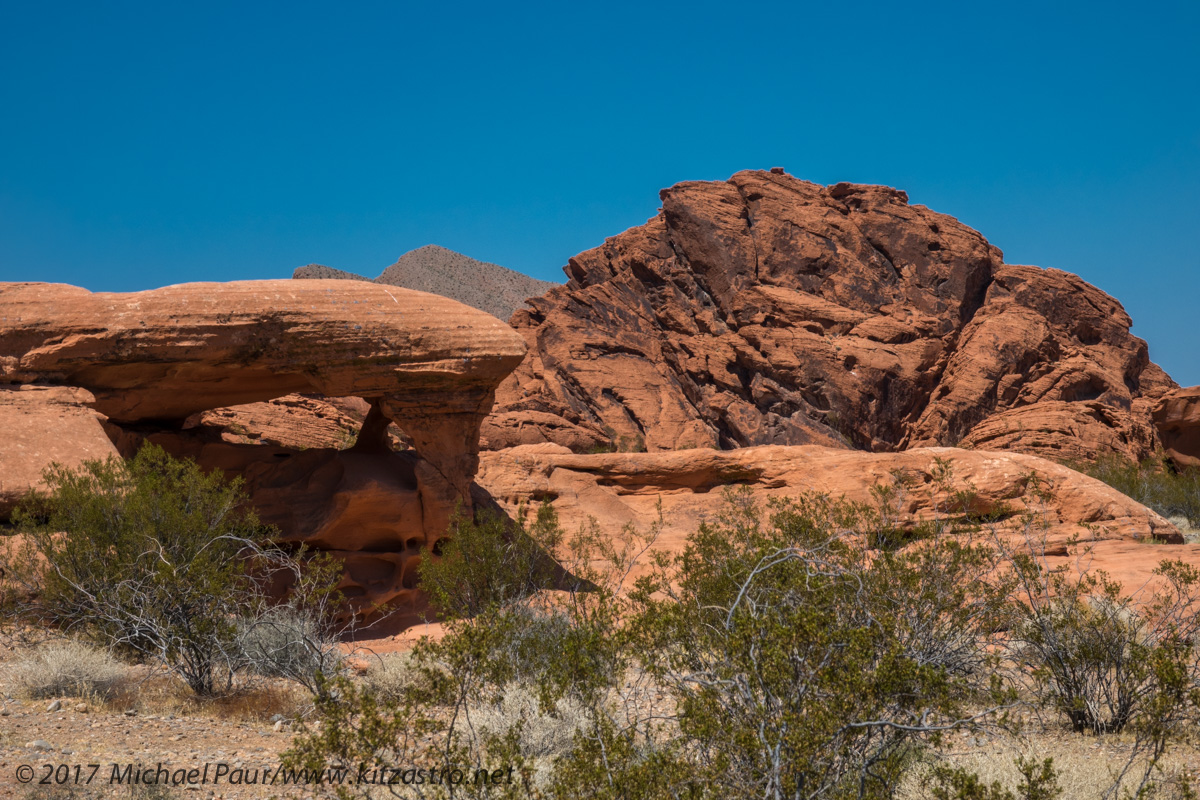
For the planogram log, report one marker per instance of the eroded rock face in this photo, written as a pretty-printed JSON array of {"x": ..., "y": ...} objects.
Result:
[
  {"x": 374, "y": 511},
  {"x": 625, "y": 488},
  {"x": 294, "y": 420},
  {"x": 43, "y": 425},
  {"x": 769, "y": 310},
  {"x": 1073, "y": 432},
  {"x": 1177, "y": 417}
]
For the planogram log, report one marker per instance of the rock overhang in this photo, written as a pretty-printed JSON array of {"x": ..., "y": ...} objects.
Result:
[{"x": 164, "y": 354}]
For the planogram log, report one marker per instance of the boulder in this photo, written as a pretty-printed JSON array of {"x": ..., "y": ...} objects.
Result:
[
  {"x": 769, "y": 310},
  {"x": 1177, "y": 417}
]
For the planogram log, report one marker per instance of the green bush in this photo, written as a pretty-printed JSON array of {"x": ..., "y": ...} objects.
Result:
[
  {"x": 806, "y": 648},
  {"x": 795, "y": 661},
  {"x": 1039, "y": 781},
  {"x": 1153, "y": 483},
  {"x": 149, "y": 557},
  {"x": 806, "y": 665},
  {"x": 1109, "y": 660}
]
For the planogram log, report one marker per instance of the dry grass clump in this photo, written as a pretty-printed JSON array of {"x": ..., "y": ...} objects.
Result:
[
  {"x": 1086, "y": 766},
  {"x": 66, "y": 669},
  {"x": 390, "y": 675},
  {"x": 161, "y": 693},
  {"x": 543, "y": 734}
]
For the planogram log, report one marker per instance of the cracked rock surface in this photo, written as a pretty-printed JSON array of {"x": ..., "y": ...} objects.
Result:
[{"x": 769, "y": 310}]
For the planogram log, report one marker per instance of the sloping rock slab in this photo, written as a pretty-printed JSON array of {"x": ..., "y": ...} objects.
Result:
[{"x": 621, "y": 489}]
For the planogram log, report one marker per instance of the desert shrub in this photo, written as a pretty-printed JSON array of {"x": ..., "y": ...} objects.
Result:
[
  {"x": 297, "y": 636},
  {"x": 1108, "y": 660},
  {"x": 390, "y": 676},
  {"x": 288, "y": 643},
  {"x": 66, "y": 669},
  {"x": 804, "y": 664},
  {"x": 1153, "y": 483},
  {"x": 541, "y": 734},
  {"x": 151, "y": 557},
  {"x": 804, "y": 648},
  {"x": 1039, "y": 781},
  {"x": 521, "y": 635},
  {"x": 795, "y": 660}
]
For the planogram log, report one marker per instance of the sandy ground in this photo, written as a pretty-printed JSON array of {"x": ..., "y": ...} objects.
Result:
[{"x": 155, "y": 723}]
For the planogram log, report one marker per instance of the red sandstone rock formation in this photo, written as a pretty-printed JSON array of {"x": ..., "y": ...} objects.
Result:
[
  {"x": 43, "y": 425},
  {"x": 769, "y": 310},
  {"x": 1177, "y": 417},
  {"x": 137, "y": 366},
  {"x": 163, "y": 355},
  {"x": 295, "y": 420},
  {"x": 617, "y": 489}
]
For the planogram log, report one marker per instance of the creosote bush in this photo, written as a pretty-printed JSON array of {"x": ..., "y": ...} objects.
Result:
[
  {"x": 156, "y": 560},
  {"x": 1039, "y": 781},
  {"x": 1154, "y": 483},
  {"x": 790, "y": 659},
  {"x": 810, "y": 648}
]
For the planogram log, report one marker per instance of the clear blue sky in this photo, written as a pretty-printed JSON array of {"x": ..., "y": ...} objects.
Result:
[{"x": 153, "y": 143}]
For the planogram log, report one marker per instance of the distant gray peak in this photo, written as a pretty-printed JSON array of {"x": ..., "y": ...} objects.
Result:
[{"x": 489, "y": 287}]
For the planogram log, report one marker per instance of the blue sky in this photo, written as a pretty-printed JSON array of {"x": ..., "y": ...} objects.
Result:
[{"x": 147, "y": 144}]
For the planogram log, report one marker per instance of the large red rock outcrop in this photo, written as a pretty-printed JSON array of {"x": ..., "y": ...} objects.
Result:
[
  {"x": 618, "y": 489},
  {"x": 768, "y": 310},
  {"x": 1177, "y": 417}
]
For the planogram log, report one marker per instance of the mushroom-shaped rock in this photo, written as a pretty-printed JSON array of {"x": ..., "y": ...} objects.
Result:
[{"x": 165, "y": 354}]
